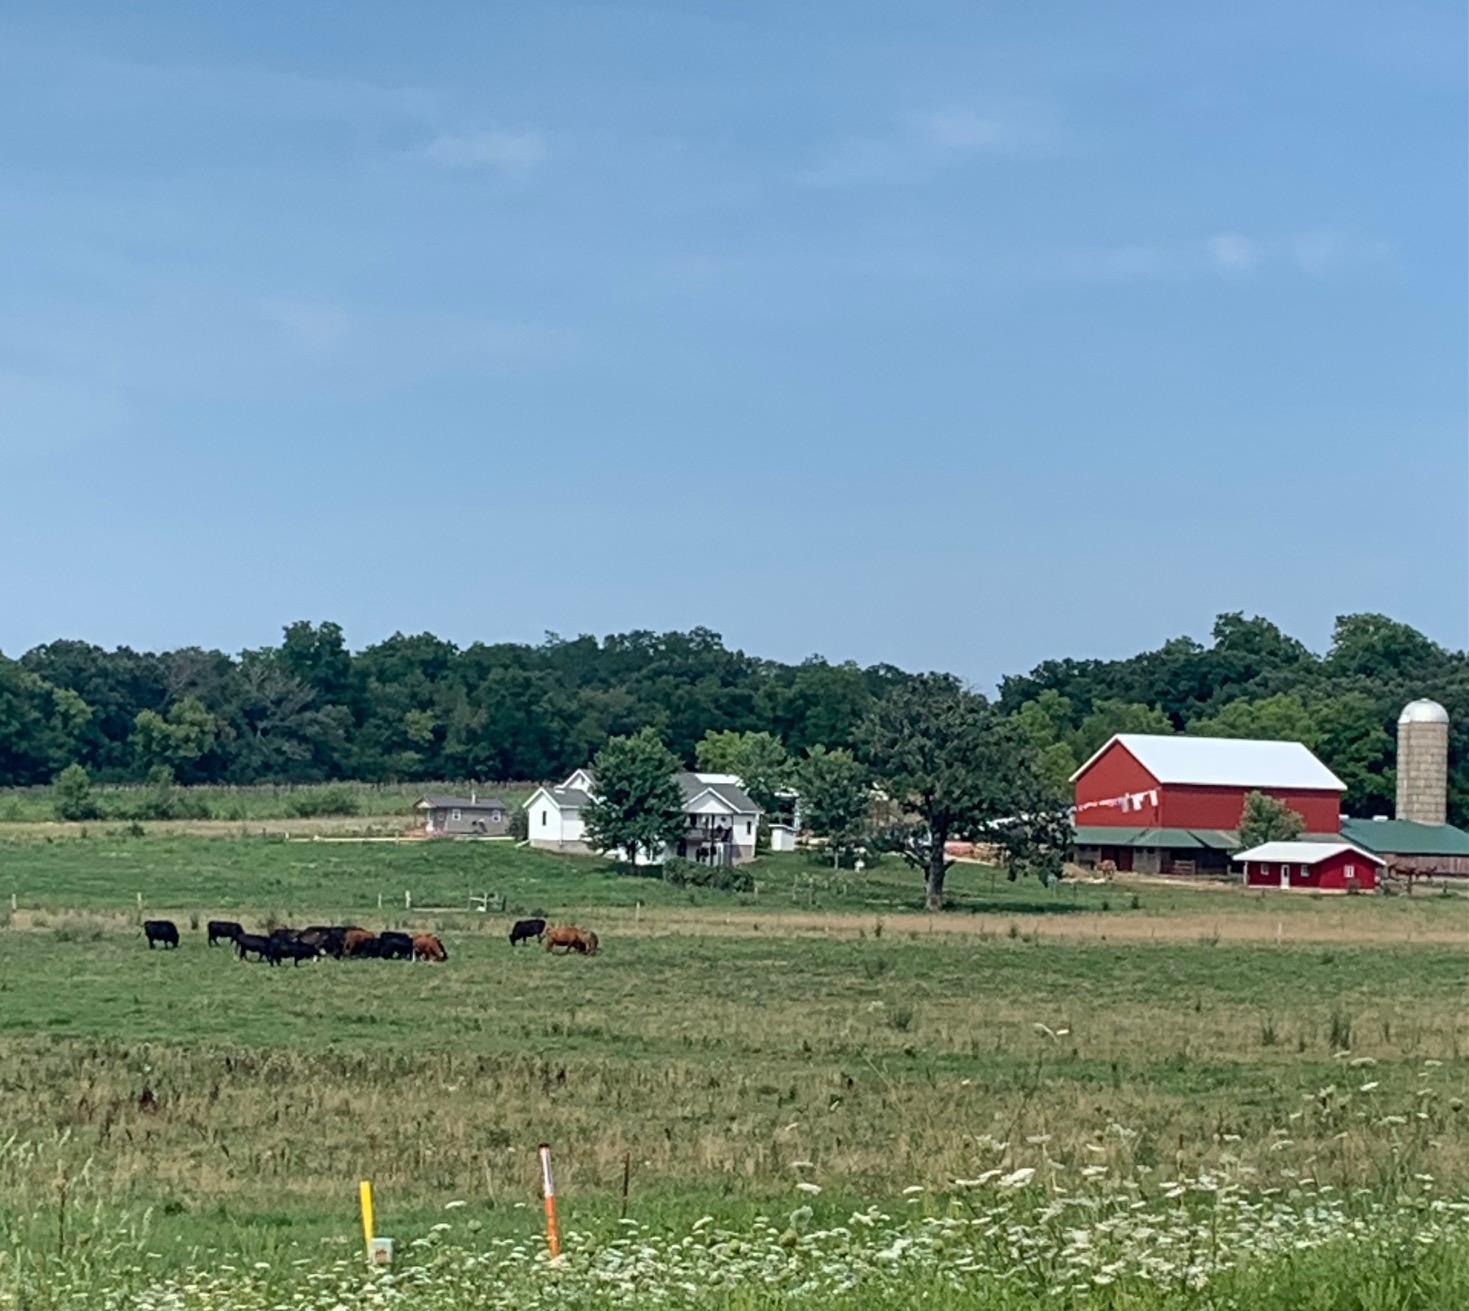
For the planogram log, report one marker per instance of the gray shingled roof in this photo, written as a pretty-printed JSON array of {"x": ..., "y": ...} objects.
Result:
[
  {"x": 732, "y": 796},
  {"x": 438, "y": 802},
  {"x": 569, "y": 796}
]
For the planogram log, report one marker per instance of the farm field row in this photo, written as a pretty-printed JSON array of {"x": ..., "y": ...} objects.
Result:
[
  {"x": 202, "y": 875},
  {"x": 742, "y": 1057},
  {"x": 224, "y": 804}
]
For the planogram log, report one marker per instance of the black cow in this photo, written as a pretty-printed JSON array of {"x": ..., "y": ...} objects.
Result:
[
  {"x": 369, "y": 947},
  {"x": 164, "y": 931},
  {"x": 318, "y": 935},
  {"x": 261, "y": 946},
  {"x": 223, "y": 931},
  {"x": 292, "y": 949},
  {"x": 395, "y": 946},
  {"x": 523, "y": 930}
]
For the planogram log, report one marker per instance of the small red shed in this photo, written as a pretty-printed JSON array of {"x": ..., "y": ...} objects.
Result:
[{"x": 1329, "y": 866}]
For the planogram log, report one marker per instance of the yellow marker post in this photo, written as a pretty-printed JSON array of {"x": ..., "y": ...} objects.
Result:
[{"x": 365, "y": 1194}]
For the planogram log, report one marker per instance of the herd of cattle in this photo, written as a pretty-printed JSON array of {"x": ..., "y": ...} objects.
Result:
[{"x": 344, "y": 941}]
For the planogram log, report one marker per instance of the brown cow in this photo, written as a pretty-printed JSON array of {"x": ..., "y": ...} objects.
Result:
[
  {"x": 570, "y": 938},
  {"x": 427, "y": 947},
  {"x": 353, "y": 939}
]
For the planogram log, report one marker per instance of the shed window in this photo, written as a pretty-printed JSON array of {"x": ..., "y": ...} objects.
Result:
[
  {"x": 545, "y": 815},
  {"x": 456, "y": 814},
  {"x": 1285, "y": 871},
  {"x": 749, "y": 827}
]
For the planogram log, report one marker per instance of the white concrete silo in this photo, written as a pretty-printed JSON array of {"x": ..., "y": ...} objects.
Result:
[{"x": 1423, "y": 762}]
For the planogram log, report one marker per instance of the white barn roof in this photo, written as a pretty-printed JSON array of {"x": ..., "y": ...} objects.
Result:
[
  {"x": 1303, "y": 853},
  {"x": 1224, "y": 762}
]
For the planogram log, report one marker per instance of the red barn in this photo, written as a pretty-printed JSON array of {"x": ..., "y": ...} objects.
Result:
[
  {"x": 1332, "y": 866},
  {"x": 1171, "y": 804}
]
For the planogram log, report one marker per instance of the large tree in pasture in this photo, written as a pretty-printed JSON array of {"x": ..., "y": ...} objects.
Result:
[
  {"x": 958, "y": 769},
  {"x": 639, "y": 805}
]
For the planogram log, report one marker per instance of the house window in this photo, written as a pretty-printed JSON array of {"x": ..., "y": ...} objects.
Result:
[
  {"x": 456, "y": 814},
  {"x": 496, "y": 816},
  {"x": 545, "y": 815},
  {"x": 749, "y": 827},
  {"x": 1351, "y": 871}
]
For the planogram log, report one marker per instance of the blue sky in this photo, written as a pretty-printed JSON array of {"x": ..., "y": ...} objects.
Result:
[{"x": 951, "y": 335}]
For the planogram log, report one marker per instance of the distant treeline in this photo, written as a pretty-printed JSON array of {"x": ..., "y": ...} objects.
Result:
[{"x": 417, "y": 707}]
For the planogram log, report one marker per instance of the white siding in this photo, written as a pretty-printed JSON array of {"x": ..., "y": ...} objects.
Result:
[{"x": 545, "y": 826}]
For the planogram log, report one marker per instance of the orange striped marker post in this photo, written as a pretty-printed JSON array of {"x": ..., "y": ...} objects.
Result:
[{"x": 548, "y": 1191}]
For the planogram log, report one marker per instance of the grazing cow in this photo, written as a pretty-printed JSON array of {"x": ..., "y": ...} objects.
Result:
[
  {"x": 354, "y": 939},
  {"x": 245, "y": 943},
  {"x": 317, "y": 937},
  {"x": 162, "y": 931},
  {"x": 223, "y": 931},
  {"x": 1107, "y": 868},
  {"x": 292, "y": 949},
  {"x": 523, "y": 929},
  {"x": 426, "y": 946},
  {"x": 395, "y": 946},
  {"x": 571, "y": 939},
  {"x": 334, "y": 940},
  {"x": 331, "y": 938}
]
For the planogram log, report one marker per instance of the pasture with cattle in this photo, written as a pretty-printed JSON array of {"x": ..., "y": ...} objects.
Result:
[{"x": 1118, "y": 1088}]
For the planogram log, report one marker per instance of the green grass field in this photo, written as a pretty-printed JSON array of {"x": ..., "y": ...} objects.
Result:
[
  {"x": 803, "y": 1053},
  {"x": 257, "y": 802}
]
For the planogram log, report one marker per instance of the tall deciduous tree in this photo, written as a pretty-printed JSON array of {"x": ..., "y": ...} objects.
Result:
[
  {"x": 41, "y": 725},
  {"x": 73, "y": 797},
  {"x": 834, "y": 797},
  {"x": 175, "y": 740},
  {"x": 1266, "y": 819},
  {"x": 759, "y": 760},
  {"x": 639, "y": 805},
  {"x": 1283, "y": 717},
  {"x": 960, "y": 770},
  {"x": 1113, "y": 716}
]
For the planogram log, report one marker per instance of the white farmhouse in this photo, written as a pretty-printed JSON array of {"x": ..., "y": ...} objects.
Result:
[{"x": 721, "y": 822}]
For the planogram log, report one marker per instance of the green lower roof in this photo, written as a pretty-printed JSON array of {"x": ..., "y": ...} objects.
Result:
[
  {"x": 1176, "y": 839},
  {"x": 1406, "y": 837},
  {"x": 1181, "y": 839}
]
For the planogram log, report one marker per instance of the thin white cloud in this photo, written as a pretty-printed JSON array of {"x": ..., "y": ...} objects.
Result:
[
  {"x": 920, "y": 145},
  {"x": 311, "y": 325},
  {"x": 190, "y": 342},
  {"x": 1232, "y": 253},
  {"x": 508, "y": 150},
  {"x": 1324, "y": 253}
]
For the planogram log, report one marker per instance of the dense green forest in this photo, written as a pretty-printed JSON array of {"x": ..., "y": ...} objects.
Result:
[{"x": 417, "y": 707}]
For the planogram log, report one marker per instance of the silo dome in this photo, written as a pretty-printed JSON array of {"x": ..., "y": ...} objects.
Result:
[{"x": 1423, "y": 711}]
